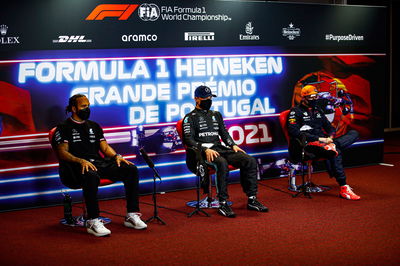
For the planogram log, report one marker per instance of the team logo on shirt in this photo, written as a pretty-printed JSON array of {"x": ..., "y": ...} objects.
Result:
[
  {"x": 208, "y": 134},
  {"x": 92, "y": 136},
  {"x": 76, "y": 137}
]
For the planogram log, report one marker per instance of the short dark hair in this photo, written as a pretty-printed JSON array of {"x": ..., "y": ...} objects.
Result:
[{"x": 72, "y": 102}]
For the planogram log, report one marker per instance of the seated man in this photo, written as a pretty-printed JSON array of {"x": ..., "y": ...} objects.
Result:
[
  {"x": 307, "y": 121},
  {"x": 78, "y": 142},
  {"x": 203, "y": 128}
]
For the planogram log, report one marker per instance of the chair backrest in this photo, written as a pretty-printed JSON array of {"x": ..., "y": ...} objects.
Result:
[
  {"x": 179, "y": 128},
  {"x": 283, "y": 121},
  {"x": 51, "y": 135}
]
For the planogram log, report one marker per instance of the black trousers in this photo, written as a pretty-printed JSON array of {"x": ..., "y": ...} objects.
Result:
[
  {"x": 72, "y": 177},
  {"x": 246, "y": 164}
]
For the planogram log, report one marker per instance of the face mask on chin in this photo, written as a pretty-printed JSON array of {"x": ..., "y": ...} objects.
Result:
[
  {"x": 205, "y": 104},
  {"x": 84, "y": 114}
]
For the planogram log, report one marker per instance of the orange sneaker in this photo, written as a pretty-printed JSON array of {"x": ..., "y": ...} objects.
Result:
[{"x": 347, "y": 193}]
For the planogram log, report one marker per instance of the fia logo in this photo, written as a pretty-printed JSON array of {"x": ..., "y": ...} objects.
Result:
[{"x": 149, "y": 12}]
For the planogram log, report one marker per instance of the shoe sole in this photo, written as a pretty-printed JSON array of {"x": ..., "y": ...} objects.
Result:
[
  {"x": 225, "y": 215},
  {"x": 253, "y": 208},
  {"x": 90, "y": 231},
  {"x": 347, "y": 198},
  {"x": 128, "y": 224}
]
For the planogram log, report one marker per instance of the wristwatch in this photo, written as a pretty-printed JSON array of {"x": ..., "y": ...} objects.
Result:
[{"x": 117, "y": 155}]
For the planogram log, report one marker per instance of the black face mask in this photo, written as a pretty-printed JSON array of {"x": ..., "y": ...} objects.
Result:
[
  {"x": 84, "y": 113},
  {"x": 312, "y": 103},
  {"x": 205, "y": 104}
]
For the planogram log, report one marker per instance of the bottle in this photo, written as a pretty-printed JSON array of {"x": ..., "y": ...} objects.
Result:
[{"x": 69, "y": 219}]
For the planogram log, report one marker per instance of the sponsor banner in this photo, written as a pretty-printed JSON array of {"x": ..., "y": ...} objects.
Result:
[
  {"x": 139, "y": 64},
  {"x": 115, "y": 24},
  {"x": 138, "y": 95}
]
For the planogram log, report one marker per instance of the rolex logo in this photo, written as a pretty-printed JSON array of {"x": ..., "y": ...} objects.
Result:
[
  {"x": 3, "y": 29},
  {"x": 7, "y": 39}
]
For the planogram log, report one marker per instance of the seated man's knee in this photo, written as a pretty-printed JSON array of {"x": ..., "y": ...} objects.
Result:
[
  {"x": 251, "y": 161},
  {"x": 128, "y": 170},
  {"x": 221, "y": 162},
  {"x": 91, "y": 178},
  {"x": 354, "y": 134}
]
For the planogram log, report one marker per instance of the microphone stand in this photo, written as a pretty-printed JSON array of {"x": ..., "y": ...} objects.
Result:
[{"x": 155, "y": 174}]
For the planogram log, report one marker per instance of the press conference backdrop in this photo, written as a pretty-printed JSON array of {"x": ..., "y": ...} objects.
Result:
[{"x": 139, "y": 63}]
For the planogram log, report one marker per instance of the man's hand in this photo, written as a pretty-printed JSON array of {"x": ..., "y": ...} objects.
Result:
[
  {"x": 236, "y": 148},
  {"x": 86, "y": 165},
  {"x": 120, "y": 159},
  {"x": 211, "y": 155},
  {"x": 326, "y": 140}
]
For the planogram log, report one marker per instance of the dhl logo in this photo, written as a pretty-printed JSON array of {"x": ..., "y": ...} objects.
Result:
[{"x": 121, "y": 11}]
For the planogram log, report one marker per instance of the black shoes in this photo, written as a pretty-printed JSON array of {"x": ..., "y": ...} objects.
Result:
[
  {"x": 254, "y": 204},
  {"x": 225, "y": 210}
]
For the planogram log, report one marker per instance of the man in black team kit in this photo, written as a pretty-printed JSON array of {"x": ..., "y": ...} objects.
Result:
[
  {"x": 308, "y": 121},
  {"x": 203, "y": 128},
  {"x": 78, "y": 142}
]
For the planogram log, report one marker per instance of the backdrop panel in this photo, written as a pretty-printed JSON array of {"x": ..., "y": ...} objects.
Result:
[{"x": 140, "y": 67}]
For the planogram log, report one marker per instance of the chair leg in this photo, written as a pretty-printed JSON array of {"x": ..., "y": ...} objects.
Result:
[
  {"x": 209, "y": 195},
  {"x": 309, "y": 172},
  {"x": 304, "y": 188},
  {"x": 197, "y": 203}
]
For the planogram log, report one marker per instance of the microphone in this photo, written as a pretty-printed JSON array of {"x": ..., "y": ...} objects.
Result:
[{"x": 149, "y": 162}]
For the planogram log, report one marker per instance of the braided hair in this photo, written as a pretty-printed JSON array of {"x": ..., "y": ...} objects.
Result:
[{"x": 72, "y": 102}]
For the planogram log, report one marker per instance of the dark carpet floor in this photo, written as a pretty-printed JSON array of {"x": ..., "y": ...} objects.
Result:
[{"x": 324, "y": 230}]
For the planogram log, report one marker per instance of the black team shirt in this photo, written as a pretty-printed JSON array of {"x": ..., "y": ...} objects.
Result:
[{"x": 83, "y": 138}]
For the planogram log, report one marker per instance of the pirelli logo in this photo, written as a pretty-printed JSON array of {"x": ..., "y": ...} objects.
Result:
[{"x": 120, "y": 11}]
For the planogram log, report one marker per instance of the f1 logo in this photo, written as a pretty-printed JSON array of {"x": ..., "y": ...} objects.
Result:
[{"x": 121, "y": 11}]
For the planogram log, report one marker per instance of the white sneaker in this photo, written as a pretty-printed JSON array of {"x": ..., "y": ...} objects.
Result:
[
  {"x": 132, "y": 220},
  {"x": 96, "y": 227}
]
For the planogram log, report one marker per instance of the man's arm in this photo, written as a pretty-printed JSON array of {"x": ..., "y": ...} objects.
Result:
[
  {"x": 226, "y": 138},
  {"x": 108, "y": 151},
  {"x": 189, "y": 132},
  {"x": 223, "y": 132},
  {"x": 65, "y": 155}
]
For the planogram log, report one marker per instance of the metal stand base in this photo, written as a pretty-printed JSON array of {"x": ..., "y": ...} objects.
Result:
[
  {"x": 206, "y": 203},
  {"x": 156, "y": 218},
  {"x": 80, "y": 221},
  {"x": 307, "y": 188},
  {"x": 312, "y": 188}
]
